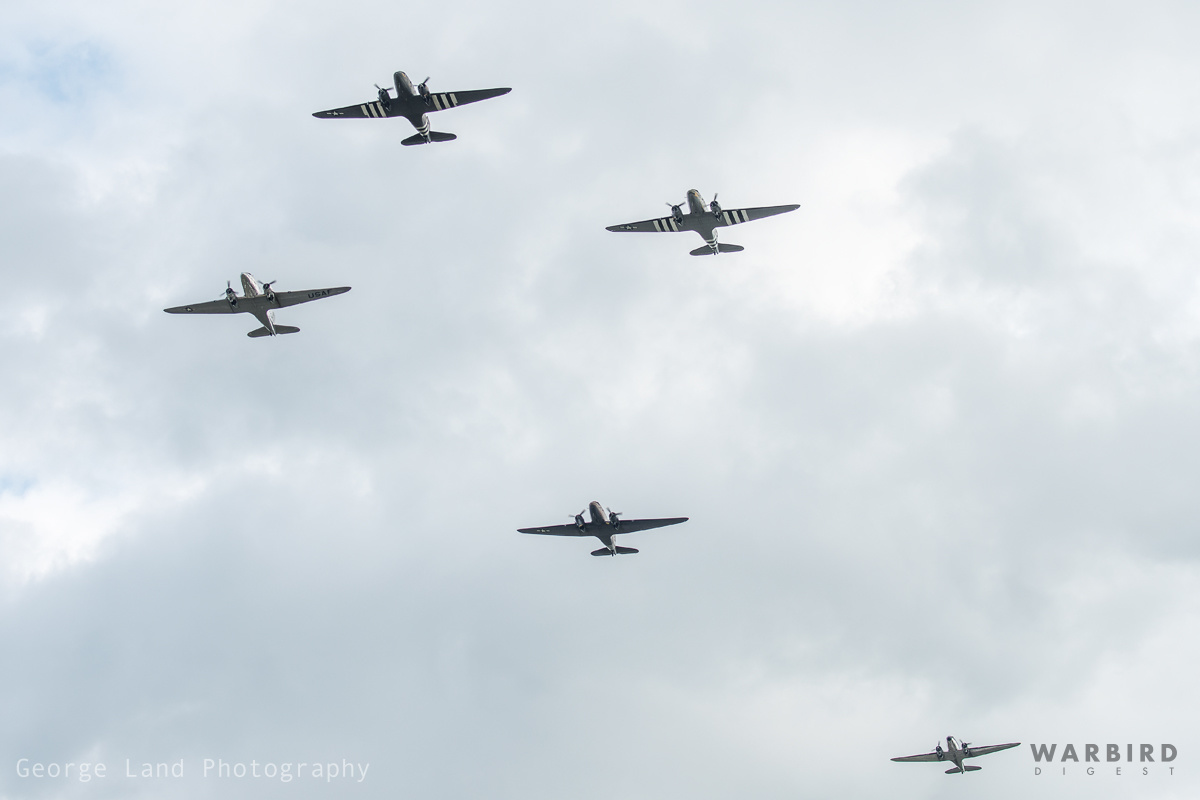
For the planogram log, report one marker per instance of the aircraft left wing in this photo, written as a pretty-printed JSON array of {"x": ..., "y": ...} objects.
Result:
[
  {"x": 660, "y": 225},
  {"x": 991, "y": 748},
  {"x": 307, "y": 295},
  {"x": 633, "y": 525},
  {"x": 371, "y": 110},
  {"x": 736, "y": 216},
  {"x": 556, "y": 530},
  {"x": 923, "y": 757},
  {"x": 443, "y": 100},
  {"x": 209, "y": 307}
]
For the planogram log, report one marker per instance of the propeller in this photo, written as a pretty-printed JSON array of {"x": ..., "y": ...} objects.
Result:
[
  {"x": 714, "y": 206},
  {"x": 676, "y": 210},
  {"x": 423, "y": 86},
  {"x": 612, "y": 513}
]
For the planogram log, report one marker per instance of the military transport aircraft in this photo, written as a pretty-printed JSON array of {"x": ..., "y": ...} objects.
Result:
[
  {"x": 955, "y": 752},
  {"x": 604, "y": 527},
  {"x": 703, "y": 222},
  {"x": 413, "y": 105},
  {"x": 260, "y": 300}
]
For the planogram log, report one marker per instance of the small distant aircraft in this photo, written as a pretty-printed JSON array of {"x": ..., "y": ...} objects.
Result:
[
  {"x": 604, "y": 526},
  {"x": 703, "y": 222},
  {"x": 260, "y": 300},
  {"x": 413, "y": 105},
  {"x": 957, "y": 751}
]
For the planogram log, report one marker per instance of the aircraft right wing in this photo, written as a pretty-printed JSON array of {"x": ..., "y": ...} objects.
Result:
[
  {"x": 736, "y": 216},
  {"x": 633, "y": 525},
  {"x": 210, "y": 307},
  {"x": 991, "y": 748},
  {"x": 556, "y": 530},
  {"x": 660, "y": 225},
  {"x": 923, "y": 757},
  {"x": 443, "y": 100},
  {"x": 285, "y": 299}
]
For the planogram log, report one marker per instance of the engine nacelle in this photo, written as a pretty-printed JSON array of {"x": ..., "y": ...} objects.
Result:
[
  {"x": 715, "y": 207},
  {"x": 579, "y": 521},
  {"x": 677, "y": 213},
  {"x": 385, "y": 99}
]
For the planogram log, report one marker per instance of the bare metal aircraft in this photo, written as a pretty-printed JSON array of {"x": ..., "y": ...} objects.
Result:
[
  {"x": 703, "y": 221},
  {"x": 261, "y": 301},
  {"x": 414, "y": 104},
  {"x": 604, "y": 526},
  {"x": 956, "y": 752}
]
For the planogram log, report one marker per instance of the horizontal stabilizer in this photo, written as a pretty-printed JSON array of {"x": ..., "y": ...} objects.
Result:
[
  {"x": 724, "y": 248},
  {"x": 434, "y": 136},
  {"x": 620, "y": 551},
  {"x": 955, "y": 770},
  {"x": 280, "y": 329}
]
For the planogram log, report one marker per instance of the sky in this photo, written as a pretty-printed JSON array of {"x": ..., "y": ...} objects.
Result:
[{"x": 936, "y": 431}]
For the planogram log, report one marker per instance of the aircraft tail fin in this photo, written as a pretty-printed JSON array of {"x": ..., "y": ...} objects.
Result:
[
  {"x": 954, "y": 770},
  {"x": 434, "y": 136},
  {"x": 620, "y": 551},
  {"x": 724, "y": 248},
  {"x": 263, "y": 331}
]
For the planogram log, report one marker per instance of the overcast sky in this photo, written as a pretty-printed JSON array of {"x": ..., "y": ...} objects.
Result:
[{"x": 937, "y": 431}]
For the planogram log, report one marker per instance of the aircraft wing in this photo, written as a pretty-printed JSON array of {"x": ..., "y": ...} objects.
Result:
[
  {"x": 306, "y": 295},
  {"x": 922, "y": 757},
  {"x": 210, "y": 307},
  {"x": 556, "y": 530},
  {"x": 371, "y": 110},
  {"x": 991, "y": 748},
  {"x": 736, "y": 216},
  {"x": 660, "y": 225},
  {"x": 443, "y": 100},
  {"x": 633, "y": 525}
]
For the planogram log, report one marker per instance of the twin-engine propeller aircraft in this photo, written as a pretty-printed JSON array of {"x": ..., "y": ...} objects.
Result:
[
  {"x": 604, "y": 526},
  {"x": 703, "y": 221},
  {"x": 413, "y": 105},
  {"x": 955, "y": 752},
  {"x": 261, "y": 301}
]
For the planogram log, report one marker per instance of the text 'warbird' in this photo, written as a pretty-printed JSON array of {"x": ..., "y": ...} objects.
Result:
[
  {"x": 413, "y": 105},
  {"x": 604, "y": 526},
  {"x": 703, "y": 221},
  {"x": 261, "y": 301}
]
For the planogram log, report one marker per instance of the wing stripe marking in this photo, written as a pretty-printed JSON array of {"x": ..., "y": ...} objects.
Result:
[
  {"x": 364, "y": 111},
  {"x": 674, "y": 226},
  {"x": 657, "y": 226},
  {"x": 745, "y": 216},
  {"x": 437, "y": 106},
  {"x": 726, "y": 214},
  {"x": 453, "y": 99}
]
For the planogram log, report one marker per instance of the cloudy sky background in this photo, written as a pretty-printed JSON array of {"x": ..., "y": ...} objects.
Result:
[{"x": 936, "y": 431}]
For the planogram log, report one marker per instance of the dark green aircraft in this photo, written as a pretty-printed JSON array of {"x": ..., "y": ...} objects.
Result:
[
  {"x": 703, "y": 221},
  {"x": 413, "y": 105},
  {"x": 604, "y": 525}
]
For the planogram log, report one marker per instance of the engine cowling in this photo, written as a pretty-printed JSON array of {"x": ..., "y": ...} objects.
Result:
[
  {"x": 677, "y": 213},
  {"x": 715, "y": 207}
]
